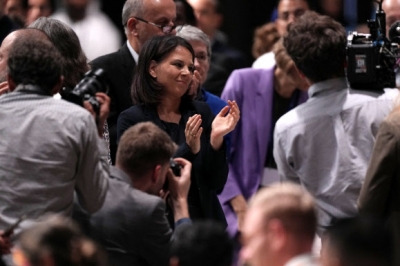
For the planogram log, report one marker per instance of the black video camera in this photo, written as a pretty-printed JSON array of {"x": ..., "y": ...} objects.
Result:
[
  {"x": 86, "y": 89},
  {"x": 372, "y": 57}
]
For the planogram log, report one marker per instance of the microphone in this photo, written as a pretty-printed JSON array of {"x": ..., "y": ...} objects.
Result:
[{"x": 394, "y": 32}]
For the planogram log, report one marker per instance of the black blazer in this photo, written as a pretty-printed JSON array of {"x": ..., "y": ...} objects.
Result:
[
  {"x": 119, "y": 69},
  {"x": 210, "y": 168}
]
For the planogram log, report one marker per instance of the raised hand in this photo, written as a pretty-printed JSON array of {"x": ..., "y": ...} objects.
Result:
[
  {"x": 195, "y": 84},
  {"x": 224, "y": 123},
  {"x": 193, "y": 132},
  {"x": 100, "y": 118},
  {"x": 179, "y": 189}
]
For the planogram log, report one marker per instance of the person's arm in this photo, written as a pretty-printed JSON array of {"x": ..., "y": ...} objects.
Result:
[
  {"x": 155, "y": 243},
  {"x": 381, "y": 172},
  {"x": 232, "y": 192},
  {"x": 184, "y": 151},
  {"x": 284, "y": 167},
  {"x": 214, "y": 169},
  {"x": 239, "y": 206},
  {"x": 224, "y": 123},
  {"x": 126, "y": 119},
  {"x": 179, "y": 189},
  {"x": 93, "y": 169}
]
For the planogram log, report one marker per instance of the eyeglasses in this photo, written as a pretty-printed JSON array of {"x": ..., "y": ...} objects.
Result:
[{"x": 165, "y": 29}]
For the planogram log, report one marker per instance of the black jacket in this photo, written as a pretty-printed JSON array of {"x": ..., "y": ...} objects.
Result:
[
  {"x": 119, "y": 68},
  {"x": 210, "y": 168}
]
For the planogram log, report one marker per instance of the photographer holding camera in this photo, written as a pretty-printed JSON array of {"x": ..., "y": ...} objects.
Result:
[
  {"x": 132, "y": 225},
  {"x": 48, "y": 148}
]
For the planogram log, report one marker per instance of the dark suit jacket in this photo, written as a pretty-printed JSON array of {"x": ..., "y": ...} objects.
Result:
[
  {"x": 132, "y": 225},
  {"x": 210, "y": 168},
  {"x": 380, "y": 195},
  {"x": 119, "y": 69}
]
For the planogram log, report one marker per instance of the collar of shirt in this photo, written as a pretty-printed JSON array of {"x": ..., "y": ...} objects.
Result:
[
  {"x": 120, "y": 175},
  {"x": 133, "y": 52},
  {"x": 302, "y": 260},
  {"x": 327, "y": 85},
  {"x": 32, "y": 89}
]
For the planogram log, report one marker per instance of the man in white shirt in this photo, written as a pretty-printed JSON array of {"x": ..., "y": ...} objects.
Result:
[{"x": 325, "y": 144}]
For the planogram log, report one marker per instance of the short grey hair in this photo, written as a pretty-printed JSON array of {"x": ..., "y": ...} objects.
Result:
[
  {"x": 131, "y": 8},
  {"x": 191, "y": 33}
]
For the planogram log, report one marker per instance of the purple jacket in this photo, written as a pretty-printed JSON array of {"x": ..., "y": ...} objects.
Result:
[{"x": 252, "y": 89}]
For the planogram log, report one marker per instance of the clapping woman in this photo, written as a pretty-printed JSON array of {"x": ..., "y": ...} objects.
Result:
[{"x": 160, "y": 92}]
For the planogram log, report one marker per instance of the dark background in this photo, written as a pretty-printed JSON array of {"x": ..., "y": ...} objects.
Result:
[{"x": 241, "y": 17}]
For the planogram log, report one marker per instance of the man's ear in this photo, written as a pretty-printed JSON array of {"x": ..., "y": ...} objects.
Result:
[
  {"x": 11, "y": 83},
  {"x": 57, "y": 88},
  {"x": 152, "y": 69},
  {"x": 156, "y": 174},
  {"x": 132, "y": 26},
  {"x": 301, "y": 74},
  {"x": 278, "y": 235}
]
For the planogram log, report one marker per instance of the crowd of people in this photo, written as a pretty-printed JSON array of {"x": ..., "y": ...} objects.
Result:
[{"x": 155, "y": 169}]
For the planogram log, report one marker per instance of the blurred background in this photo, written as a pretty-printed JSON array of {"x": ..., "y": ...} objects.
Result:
[{"x": 242, "y": 17}]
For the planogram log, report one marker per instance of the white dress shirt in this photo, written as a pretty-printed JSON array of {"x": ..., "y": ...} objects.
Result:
[
  {"x": 266, "y": 60},
  {"x": 325, "y": 145}
]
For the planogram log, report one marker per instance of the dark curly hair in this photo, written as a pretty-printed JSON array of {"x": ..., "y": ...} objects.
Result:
[
  {"x": 317, "y": 45},
  {"x": 145, "y": 89},
  {"x": 33, "y": 60}
]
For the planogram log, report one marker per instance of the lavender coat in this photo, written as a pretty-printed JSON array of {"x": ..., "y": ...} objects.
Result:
[{"x": 252, "y": 89}]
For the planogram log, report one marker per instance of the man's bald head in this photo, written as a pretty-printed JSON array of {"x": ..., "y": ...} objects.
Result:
[
  {"x": 8, "y": 43},
  {"x": 4, "y": 50},
  {"x": 392, "y": 10},
  {"x": 33, "y": 60},
  {"x": 136, "y": 12}
]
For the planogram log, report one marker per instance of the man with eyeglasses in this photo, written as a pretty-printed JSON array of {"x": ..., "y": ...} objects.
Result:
[
  {"x": 142, "y": 19},
  {"x": 288, "y": 11}
]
